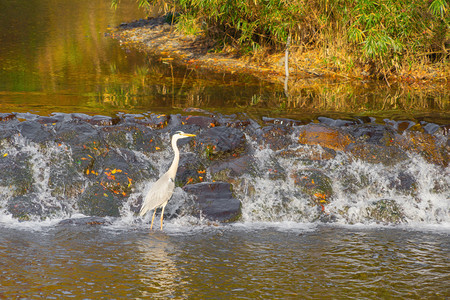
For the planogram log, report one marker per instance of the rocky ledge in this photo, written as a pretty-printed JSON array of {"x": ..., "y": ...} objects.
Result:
[{"x": 74, "y": 163}]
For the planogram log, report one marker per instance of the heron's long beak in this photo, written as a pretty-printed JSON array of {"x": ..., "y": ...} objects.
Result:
[{"x": 188, "y": 134}]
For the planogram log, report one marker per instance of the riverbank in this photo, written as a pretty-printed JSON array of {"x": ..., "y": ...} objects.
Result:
[{"x": 155, "y": 35}]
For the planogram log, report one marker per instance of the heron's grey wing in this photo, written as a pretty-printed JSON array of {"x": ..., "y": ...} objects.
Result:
[{"x": 159, "y": 193}]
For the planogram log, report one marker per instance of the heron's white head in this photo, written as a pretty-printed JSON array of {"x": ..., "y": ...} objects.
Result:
[{"x": 181, "y": 135}]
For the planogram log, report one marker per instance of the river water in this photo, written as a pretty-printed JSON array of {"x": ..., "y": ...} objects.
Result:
[
  {"x": 242, "y": 261},
  {"x": 55, "y": 57}
]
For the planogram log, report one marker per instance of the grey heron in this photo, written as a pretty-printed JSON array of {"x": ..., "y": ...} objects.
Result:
[{"x": 162, "y": 190}]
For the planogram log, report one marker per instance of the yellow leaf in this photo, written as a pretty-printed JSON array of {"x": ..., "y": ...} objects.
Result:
[
  {"x": 105, "y": 194},
  {"x": 5, "y": 155},
  {"x": 87, "y": 172}
]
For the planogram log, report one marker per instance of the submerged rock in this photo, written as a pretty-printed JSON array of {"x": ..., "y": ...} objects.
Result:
[
  {"x": 377, "y": 154},
  {"x": 214, "y": 201},
  {"x": 385, "y": 211},
  {"x": 92, "y": 221},
  {"x": 430, "y": 147},
  {"x": 25, "y": 207},
  {"x": 277, "y": 137},
  {"x": 314, "y": 183}
]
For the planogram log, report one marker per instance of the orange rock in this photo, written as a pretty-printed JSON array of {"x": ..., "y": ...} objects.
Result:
[
  {"x": 315, "y": 134},
  {"x": 428, "y": 146}
]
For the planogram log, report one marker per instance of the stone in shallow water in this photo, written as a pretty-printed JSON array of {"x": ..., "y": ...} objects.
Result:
[
  {"x": 214, "y": 201},
  {"x": 385, "y": 211},
  {"x": 85, "y": 221}
]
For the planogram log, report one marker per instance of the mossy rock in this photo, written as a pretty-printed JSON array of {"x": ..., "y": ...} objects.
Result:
[
  {"x": 17, "y": 173},
  {"x": 99, "y": 201},
  {"x": 314, "y": 183},
  {"x": 221, "y": 142},
  {"x": 385, "y": 211}
]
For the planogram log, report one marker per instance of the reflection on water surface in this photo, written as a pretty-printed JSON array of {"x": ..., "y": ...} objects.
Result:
[
  {"x": 229, "y": 262},
  {"x": 57, "y": 57}
]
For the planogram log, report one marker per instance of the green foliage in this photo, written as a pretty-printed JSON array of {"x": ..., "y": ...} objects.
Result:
[{"x": 381, "y": 32}]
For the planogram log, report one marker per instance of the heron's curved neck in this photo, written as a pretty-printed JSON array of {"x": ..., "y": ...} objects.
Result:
[{"x": 173, "y": 168}]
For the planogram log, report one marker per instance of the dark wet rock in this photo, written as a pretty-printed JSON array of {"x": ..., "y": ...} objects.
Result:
[
  {"x": 16, "y": 174},
  {"x": 231, "y": 168},
  {"x": 92, "y": 221},
  {"x": 117, "y": 171},
  {"x": 155, "y": 121},
  {"x": 372, "y": 134},
  {"x": 336, "y": 123},
  {"x": 387, "y": 155},
  {"x": 220, "y": 142},
  {"x": 190, "y": 170},
  {"x": 277, "y": 137},
  {"x": 47, "y": 120},
  {"x": 315, "y": 183},
  {"x": 385, "y": 211},
  {"x": 103, "y": 120},
  {"x": 200, "y": 121},
  {"x": 76, "y": 133},
  {"x": 430, "y": 128},
  {"x": 81, "y": 117},
  {"x": 237, "y": 123},
  {"x": 214, "y": 201},
  {"x": 34, "y": 131},
  {"x": 24, "y": 208},
  {"x": 197, "y": 110},
  {"x": 324, "y": 136},
  {"x": 133, "y": 137},
  {"x": 99, "y": 201},
  {"x": 8, "y": 130},
  {"x": 282, "y": 122},
  {"x": 399, "y": 126}
]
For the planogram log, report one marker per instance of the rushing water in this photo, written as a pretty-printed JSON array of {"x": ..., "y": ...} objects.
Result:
[{"x": 55, "y": 57}]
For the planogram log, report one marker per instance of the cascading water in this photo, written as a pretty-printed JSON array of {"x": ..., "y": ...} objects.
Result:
[
  {"x": 74, "y": 165},
  {"x": 413, "y": 191}
]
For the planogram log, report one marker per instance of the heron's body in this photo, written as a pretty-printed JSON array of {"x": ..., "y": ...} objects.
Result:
[{"x": 162, "y": 190}]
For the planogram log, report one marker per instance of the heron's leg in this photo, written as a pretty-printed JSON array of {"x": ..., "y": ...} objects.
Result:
[
  {"x": 162, "y": 215},
  {"x": 153, "y": 218}
]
